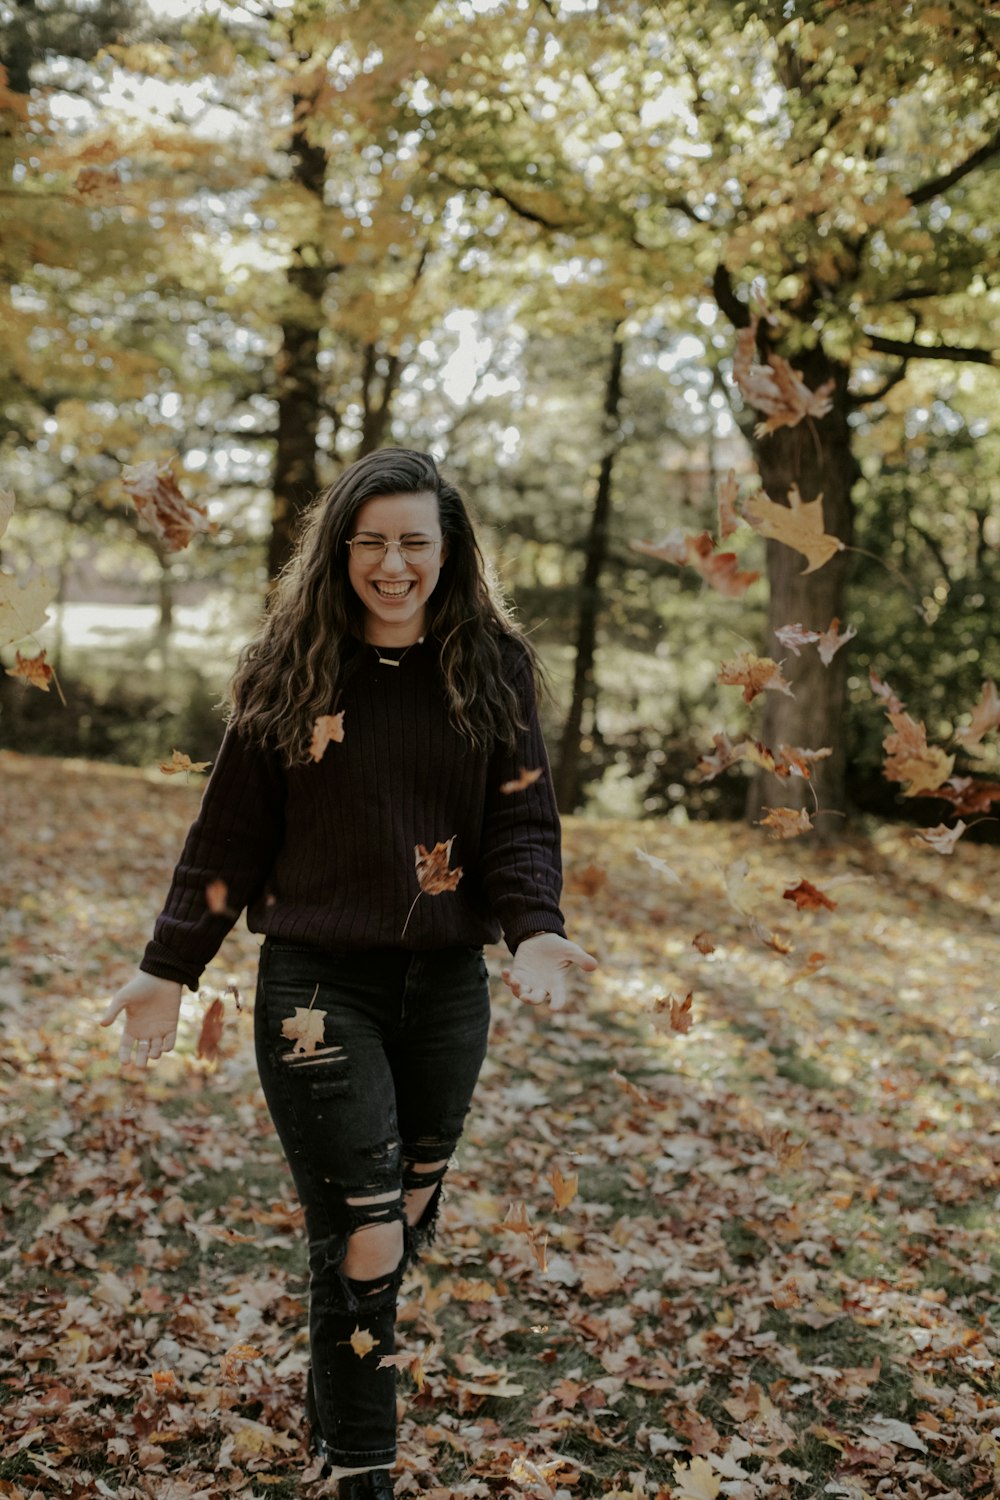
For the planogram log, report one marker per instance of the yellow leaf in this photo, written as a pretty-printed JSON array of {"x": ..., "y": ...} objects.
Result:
[
  {"x": 24, "y": 609},
  {"x": 362, "y": 1342},
  {"x": 696, "y": 1481},
  {"x": 305, "y": 1029},
  {"x": 179, "y": 761},
  {"x": 564, "y": 1188},
  {"x": 799, "y": 524}
]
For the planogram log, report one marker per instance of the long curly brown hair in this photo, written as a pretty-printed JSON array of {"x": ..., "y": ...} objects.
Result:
[{"x": 293, "y": 669}]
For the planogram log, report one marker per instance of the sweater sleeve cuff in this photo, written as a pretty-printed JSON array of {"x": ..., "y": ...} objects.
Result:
[
  {"x": 162, "y": 963},
  {"x": 527, "y": 924}
]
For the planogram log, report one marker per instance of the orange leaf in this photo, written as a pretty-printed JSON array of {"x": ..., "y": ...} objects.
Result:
[
  {"x": 362, "y": 1342},
  {"x": 239, "y": 1354},
  {"x": 211, "y": 1032},
  {"x": 910, "y": 759},
  {"x": 985, "y": 716},
  {"x": 156, "y": 496},
  {"x": 786, "y": 822},
  {"x": 755, "y": 674},
  {"x": 807, "y": 897},
  {"x": 34, "y": 670},
  {"x": 181, "y": 762},
  {"x": 326, "y": 728},
  {"x": 525, "y": 778},
  {"x": 465, "y": 1290},
  {"x": 564, "y": 1188},
  {"x": 799, "y": 525},
  {"x": 678, "y": 1011},
  {"x": 433, "y": 874}
]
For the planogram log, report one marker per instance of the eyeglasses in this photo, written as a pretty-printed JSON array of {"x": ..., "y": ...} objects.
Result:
[{"x": 412, "y": 549}]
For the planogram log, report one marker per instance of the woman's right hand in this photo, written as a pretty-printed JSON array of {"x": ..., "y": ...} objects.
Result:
[{"x": 151, "y": 1008}]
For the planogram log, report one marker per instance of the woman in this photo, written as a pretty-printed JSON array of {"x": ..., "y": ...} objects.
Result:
[{"x": 368, "y": 809}]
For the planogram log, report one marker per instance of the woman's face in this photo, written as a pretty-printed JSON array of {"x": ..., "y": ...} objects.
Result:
[{"x": 395, "y": 589}]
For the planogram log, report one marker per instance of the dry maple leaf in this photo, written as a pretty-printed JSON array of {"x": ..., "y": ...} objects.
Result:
[
  {"x": 830, "y": 641},
  {"x": 754, "y": 674},
  {"x": 433, "y": 874},
  {"x": 362, "y": 1342},
  {"x": 525, "y": 778},
  {"x": 677, "y": 1012},
  {"x": 33, "y": 670},
  {"x": 703, "y": 942},
  {"x": 985, "y": 716},
  {"x": 799, "y": 525},
  {"x": 782, "y": 1144},
  {"x": 326, "y": 728},
  {"x": 181, "y": 762},
  {"x": 587, "y": 881},
  {"x": 695, "y": 1481},
  {"x": 517, "y": 1217},
  {"x": 793, "y": 761},
  {"x": 969, "y": 795},
  {"x": 772, "y": 940},
  {"x": 910, "y": 759},
  {"x": 464, "y": 1289},
  {"x": 775, "y": 388},
  {"x": 808, "y": 897},
  {"x": 24, "y": 607},
  {"x": 217, "y": 899},
  {"x": 726, "y": 495},
  {"x": 786, "y": 822},
  {"x": 211, "y": 1032},
  {"x": 942, "y": 838},
  {"x": 154, "y": 491},
  {"x": 563, "y": 1188},
  {"x": 235, "y": 1358},
  {"x": 305, "y": 1027},
  {"x": 786, "y": 1293},
  {"x": 720, "y": 569},
  {"x": 659, "y": 865}
]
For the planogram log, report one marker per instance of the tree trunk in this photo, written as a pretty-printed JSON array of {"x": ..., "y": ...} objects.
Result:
[
  {"x": 567, "y": 777},
  {"x": 817, "y": 456},
  {"x": 297, "y": 371}
]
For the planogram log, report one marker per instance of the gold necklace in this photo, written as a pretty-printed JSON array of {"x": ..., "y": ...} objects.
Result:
[{"x": 394, "y": 661}]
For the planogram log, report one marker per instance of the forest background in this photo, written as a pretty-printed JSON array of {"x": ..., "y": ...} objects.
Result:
[{"x": 251, "y": 242}]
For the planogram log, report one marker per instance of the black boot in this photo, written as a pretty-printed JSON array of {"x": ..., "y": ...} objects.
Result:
[{"x": 373, "y": 1484}]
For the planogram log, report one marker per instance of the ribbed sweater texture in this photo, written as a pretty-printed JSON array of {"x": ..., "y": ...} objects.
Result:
[{"x": 324, "y": 854}]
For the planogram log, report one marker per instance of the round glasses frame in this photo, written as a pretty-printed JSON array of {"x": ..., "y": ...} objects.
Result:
[{"x": 374, "y": 549}]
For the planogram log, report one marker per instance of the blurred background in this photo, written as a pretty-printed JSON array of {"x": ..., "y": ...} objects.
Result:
[{"x": 258, "y": 240}]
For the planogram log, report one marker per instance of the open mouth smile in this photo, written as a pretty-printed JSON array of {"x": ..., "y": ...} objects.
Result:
[{"x": 393, "y": 590}]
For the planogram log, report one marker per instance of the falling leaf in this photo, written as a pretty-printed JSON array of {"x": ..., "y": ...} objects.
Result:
[
  {"x": 942, "y": 838},
  {"x": 985, "y": 716},
  {"x": 234, "y": 1358},
  {"x": 326, "y": 728},
  {"x": 911, "y": 760},
  {"x": 786, "y": 822},
  {"x": 755, "y": 674},
  {"x": 433, "y": 874},
  {"x": 180, "y": 762},
  {"x": 517, "y": 1218},
  {"x": 893, "y": 703},
  {"x": 33, "y": 670},
  {"x": 362, "y": 1342},
  {"x": 830, "y": 641},
  {"x": 799, "y": 525},
  {"x": 808, "y": 897},
  {"x": 739, "y": 891},
  {"x": 726, "y": 496},
  {"x": 217, "y": 899},
  {"x": 720, "y": 569},
  {"x": 305, "y": 1027},
  {"x": 770, "y": 939},
  {"x": 695, "y": 1481},
  {"x": 659, "y": 865},
  {"x": 775, "y": 388},
  {"x": 794, "y": 636},
  {"x": 677, "y": 1012},
  {"x": 969, "y": 794},
  {"x": 587, "y": 881},
  {"x": 157, "y": 498},
  {"x": 211, "y": 1032},
  {"x": 814, "y": 962},
  {"x": 563, "y": 1188},
  {"x": 703, "y": 942},
  {"x": 525, "y": 778},
  {"x": 24, "y": 607}
]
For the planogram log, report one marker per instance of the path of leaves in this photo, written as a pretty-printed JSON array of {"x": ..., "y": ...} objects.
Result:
[{"x": 778, "y": 1276}]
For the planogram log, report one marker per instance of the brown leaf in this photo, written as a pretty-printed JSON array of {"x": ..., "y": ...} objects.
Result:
[
  {"x": 942, "y": 838},
  {"x": 33, "y": 670},
  {"x": 525, "y": 778},
  {"x": 155, "y": 493},
  {"x": 911, "y": 760},
  {"x": 786, "y": 822},
  {"x": 564, "y": 1188},
  {"x": 703, "y": 942},
  {"x": 969, "y": 795},
  {"x": 586, "y": 881},
  {"x": 808, "y": 897},
  {"x": 755, "y": 674},
  {"x": 211, "y": 1032},
  {"x": 985, "y": 716},
  {"x": 677, "y": 1011},
  {"x": 433, "y": 874},
  {"x": 326, "y": 728},
  {"x": 799, "y": 525},
  {"x": 234, "y": 1358},
  {"x": 181, "y": 762}
]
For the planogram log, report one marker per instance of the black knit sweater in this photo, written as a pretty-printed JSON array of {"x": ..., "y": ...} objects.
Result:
[{"x": 323, "y": 854}]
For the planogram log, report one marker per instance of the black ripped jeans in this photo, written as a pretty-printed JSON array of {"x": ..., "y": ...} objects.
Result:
[{"x": 368, "y": 1063}]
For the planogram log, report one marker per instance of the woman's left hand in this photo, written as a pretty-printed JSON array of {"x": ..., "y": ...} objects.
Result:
[{"x": 538, "y": 970}]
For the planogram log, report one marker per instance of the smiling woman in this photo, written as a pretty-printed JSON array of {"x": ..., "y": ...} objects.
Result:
[{"x": 376, "y": 860}]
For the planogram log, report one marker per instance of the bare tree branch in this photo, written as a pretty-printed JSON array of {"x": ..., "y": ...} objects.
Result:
[
  {"x": 938, "y": 185},
  {"x": 906, "y": 350}
]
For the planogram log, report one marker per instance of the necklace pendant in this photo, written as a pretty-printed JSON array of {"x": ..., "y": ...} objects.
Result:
[{"x": 388, "y": 661}]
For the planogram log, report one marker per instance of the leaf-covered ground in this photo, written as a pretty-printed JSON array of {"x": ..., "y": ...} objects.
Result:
[{"x": 778, "y": 1275}]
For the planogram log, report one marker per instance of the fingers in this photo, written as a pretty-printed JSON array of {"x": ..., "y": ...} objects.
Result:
[{"x": 146, "y": 1049}]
